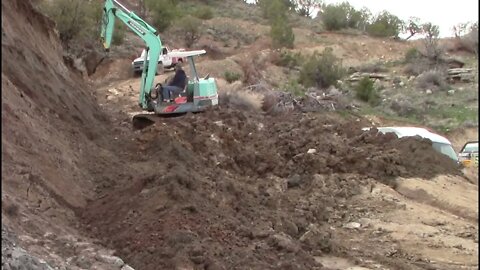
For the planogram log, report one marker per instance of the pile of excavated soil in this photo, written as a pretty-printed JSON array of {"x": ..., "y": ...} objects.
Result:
[
  {"x": 230, "y": 188},
  {"x": 225, "y": 189}
]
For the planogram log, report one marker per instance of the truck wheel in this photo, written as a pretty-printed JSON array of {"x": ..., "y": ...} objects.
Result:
[
  {"x": 160, "y": 69},
  {"x": 136, "y": 73}
]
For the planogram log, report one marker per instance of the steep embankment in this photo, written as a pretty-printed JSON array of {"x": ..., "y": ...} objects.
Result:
[{"x": 52, "y": 128}]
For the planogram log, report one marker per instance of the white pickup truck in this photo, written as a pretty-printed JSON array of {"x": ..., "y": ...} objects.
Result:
[{"x": 164, "y": 61}]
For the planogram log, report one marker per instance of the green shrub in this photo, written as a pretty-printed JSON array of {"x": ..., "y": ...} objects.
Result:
[
  {"x": 289, "y": 59},
  {"x": 190, "y": 28},
  {"x": 281, "y": 31},
  {"x": 204, "y": 13},
  {"x": 334, "y": 17},
  {"x": 411, "y": 55},
  {"x": 385, "y": 25},
  {"x": 163, "y": 13},
  {"x": 321, "y": 70},
  {"x": 294, "y": 87},
  {"x": 74, "y": 19},
  {"x": 366, "y": 91},
  {"x": 343, "y": 15},
  {"x": 231, "y": 76},
  {"x": 433, "y": 80}
]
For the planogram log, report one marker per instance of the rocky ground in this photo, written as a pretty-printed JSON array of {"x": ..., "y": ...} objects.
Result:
[{"x": 238, "y": 187}]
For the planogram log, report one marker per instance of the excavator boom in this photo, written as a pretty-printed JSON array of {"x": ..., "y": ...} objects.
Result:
[{"x": 114, "y": 10}]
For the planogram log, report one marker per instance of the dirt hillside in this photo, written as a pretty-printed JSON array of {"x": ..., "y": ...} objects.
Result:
[{"x": 231, "y": 188}]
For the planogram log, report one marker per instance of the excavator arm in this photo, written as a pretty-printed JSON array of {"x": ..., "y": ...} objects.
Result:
[{"x": 113, "y": 9}]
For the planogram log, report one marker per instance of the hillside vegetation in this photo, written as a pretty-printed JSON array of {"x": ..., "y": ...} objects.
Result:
[{"x": 254, "y": 43}]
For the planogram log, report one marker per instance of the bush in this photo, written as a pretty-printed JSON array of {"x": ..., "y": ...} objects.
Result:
[
  {"x": 190, "y": 28},
  {"x": 433, "y": 50},
  {"x": 416, "y": 68},
  {"x": 163, "y": 13},
  {"x": 339, "y": 16},
  {"x": 75, "y": 19},
  {"x": 366, "y": 91},
  {"x": 373, "y": 68},
  {"x": 334, "y": 17},
  {"x": 321, "y": 70},
  {"x": 385, "y": 25},
  {"x": 281, "y": 31},
  {"x": 433, "y": 80},
  {"x": 289, "y": 59},
  {"x": 293, "y": 86},
  {"x": 412, "y": 55},
  {"x": 204, "y": 13},
  {"x": 231, "y": 76}
]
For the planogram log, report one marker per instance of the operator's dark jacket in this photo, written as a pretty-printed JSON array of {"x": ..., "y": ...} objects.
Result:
[{"x": 179, "y": 80}]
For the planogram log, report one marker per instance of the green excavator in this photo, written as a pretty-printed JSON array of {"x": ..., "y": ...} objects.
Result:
[{"x": 200, "y": 93}]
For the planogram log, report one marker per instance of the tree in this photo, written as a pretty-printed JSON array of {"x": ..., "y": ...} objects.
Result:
[
  {"x": 432, "y": 47},
  {"x": 190, "y": 27},
  {"x": 385, "y": 24},
  {"x": 321, "y": 70},
  {"x": 306, "y": 7},
  {"x": 334, "y": 17},
  {"x": 413, "y": 27},
  {"x": 267, "y": 12},
  {"x": 281, "y": 31},
  {"x": 163, "y": 13},
  {"x": 338, "y": 16},
  {"x": 74, "y": 19}
]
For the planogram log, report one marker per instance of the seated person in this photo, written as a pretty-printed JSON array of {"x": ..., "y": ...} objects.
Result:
[{"x": 176, "y": 85}]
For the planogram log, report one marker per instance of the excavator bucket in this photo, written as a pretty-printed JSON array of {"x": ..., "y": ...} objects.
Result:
[{"x": 141, "y": 121}]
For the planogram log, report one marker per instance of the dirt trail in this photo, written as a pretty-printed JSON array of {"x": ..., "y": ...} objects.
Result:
[{"x": 226, "y": 189}]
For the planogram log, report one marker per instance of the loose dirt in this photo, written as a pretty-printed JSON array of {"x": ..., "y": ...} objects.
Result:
[{"x": 231, "y": 188}]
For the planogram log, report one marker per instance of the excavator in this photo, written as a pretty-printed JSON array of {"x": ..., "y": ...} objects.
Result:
[{"x": 200, "y": 93}]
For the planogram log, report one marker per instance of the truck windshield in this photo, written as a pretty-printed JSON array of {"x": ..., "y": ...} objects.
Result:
[
  {"x": 470, "y": 147},
  {"x": 445, "y": 149}
]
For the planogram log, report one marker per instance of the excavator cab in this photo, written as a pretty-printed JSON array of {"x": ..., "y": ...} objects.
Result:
[{"x": 200, "y": 93}]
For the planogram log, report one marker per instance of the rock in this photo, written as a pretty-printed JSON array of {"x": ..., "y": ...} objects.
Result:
[
  {"x": 83, "y": 262},
  {"x": 290, "y": 228},
  {"x": 451, "y": 92},
  {"x": 260, "y": 233},
  {"x": 294, "y": 181},
  {"x": 411, "y": 78},
  {"x": 428, "y": 91},
  {"x": 311, "y": 151},
  {"x": 352, "y": 225},
  {"x": 197, "y": 259},
  {"x": 127, "y": 267},
  {"x": 377, "y": 84},
  {"x": 284, "y": 242},
  {"x": 112, "y": 260},
  {"x": 402, "y": 84}
]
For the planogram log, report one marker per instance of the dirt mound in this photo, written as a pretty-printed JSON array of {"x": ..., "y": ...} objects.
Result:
[
  {"x": 227, "y": 182},
  {"x": 229, "y": 188}
]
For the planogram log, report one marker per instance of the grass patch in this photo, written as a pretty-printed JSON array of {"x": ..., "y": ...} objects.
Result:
[{"x": 459, "y": 114}]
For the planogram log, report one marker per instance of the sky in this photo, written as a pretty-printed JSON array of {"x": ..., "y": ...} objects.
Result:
[{"x": 444, "y": 13}]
